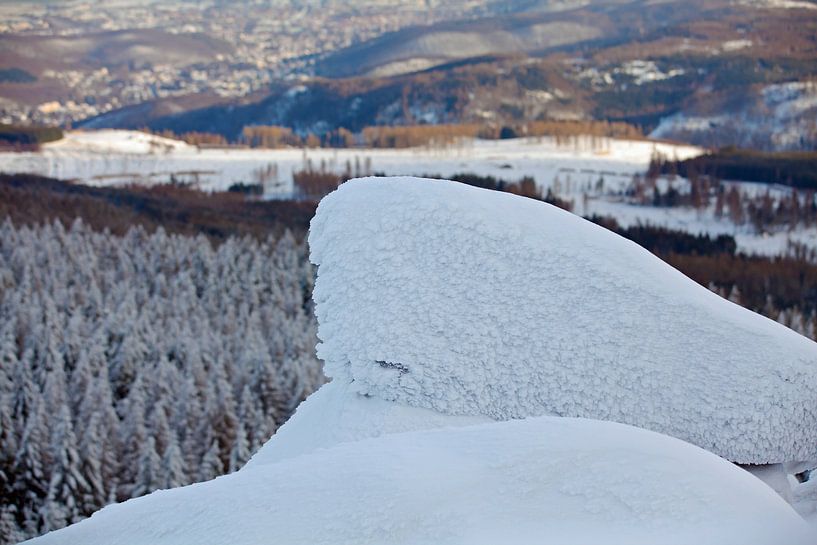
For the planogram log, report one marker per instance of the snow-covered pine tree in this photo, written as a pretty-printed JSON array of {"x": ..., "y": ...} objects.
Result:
[
  {"x": 133, "y": 436},
  {"x": 67, "y": 486},
  {"x": 172, "y": 472},
  {"x": 240, "y": 452},
  {"x": 149, "y": 476},
  {"x": 10, "y": 524},
  {"x": 30, "y": 464},
  {"x": 211, "y": 465}
]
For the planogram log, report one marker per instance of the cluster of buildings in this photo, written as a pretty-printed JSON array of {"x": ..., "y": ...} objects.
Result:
[{"x": 262, "y": 41}]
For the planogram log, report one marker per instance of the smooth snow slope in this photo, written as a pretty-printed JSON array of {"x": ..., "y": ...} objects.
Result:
[
  {"x": 536, "y": 481},
  {"x": 337, "y": 414},
  {"x": 117, "y": 141},
  {"x": 473, "y": 302}
]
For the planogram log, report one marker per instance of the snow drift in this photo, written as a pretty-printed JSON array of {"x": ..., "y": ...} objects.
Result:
[
  {"x": 473, "y": 302},
  {"x": 540, "y": 480}
]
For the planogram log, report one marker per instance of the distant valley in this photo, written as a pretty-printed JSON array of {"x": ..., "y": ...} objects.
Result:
[{"x": 684, "y": 70}]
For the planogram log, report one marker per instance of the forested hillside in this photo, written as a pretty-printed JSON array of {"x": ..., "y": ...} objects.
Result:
[{"x": 143, "y": 361}]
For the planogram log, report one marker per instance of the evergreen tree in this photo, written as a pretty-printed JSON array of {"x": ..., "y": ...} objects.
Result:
[
  {"x": 10, "y": 530},
  {"x": 31, "y": 461},
  {"x": 133, "y": 436},
  {"x": 91, "y": 460},
  {"x": 173, "y": 473},
  {"x": 240, "y": 452},
  {"x": 67, "y": 486},
  {"x": 149, "y": 477},
  {"x": 211, "y": 465},
  {"x": 8, "y": 451}
]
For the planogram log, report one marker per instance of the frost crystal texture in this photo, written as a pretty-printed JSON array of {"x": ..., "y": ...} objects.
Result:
[{"x": 467, "y": 301}]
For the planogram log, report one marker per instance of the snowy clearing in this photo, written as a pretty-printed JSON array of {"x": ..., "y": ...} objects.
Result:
[
  {"x": 112, "y": 157},
  {"x": 599, "y": 168},
  {"x": 694, "y": 221}
]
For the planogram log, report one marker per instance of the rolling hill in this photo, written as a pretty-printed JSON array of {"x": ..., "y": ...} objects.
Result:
[{"x": 108, "y": 49}]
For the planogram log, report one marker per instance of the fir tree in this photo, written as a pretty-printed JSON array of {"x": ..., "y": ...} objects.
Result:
[
  {"x": 211, "y": 465},
  {"x": 173, "y": 473},
  {"x": 67, "y": 486},
  {"x": 149, "y": 476}
]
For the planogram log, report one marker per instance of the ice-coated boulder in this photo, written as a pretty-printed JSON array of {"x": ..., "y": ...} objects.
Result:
[{"x": 472, "y": 302}]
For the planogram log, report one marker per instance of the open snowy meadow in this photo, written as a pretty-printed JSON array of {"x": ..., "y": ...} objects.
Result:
[
  {"x": 593, "y": 173},
  {"x": 115, "y": 157}
]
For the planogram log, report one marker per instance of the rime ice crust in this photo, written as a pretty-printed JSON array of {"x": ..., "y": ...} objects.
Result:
[{"x": 468, "y": 301}]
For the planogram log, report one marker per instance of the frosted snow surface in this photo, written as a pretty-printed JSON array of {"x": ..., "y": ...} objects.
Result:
[
  {"x": 473, "y": 302},
  {"x": 536, "y": 481}
]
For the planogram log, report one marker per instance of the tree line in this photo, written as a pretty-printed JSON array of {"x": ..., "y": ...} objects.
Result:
[
  {"x": 16, "y": 138},
  {"x": 794, "y": 169},
  {"x": 405, "y": 136},
  {"x": 29, "y": 200},
  {"x": 765, "y": 210}
]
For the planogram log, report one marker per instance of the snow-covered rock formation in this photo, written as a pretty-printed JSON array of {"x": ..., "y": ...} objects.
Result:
[
  {"x": 473, "y": 302},
  {"x": 443, "y": 308}
]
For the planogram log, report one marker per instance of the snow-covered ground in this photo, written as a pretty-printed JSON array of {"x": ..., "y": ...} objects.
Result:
[
  {"x": 538, "y": 481},
  {"x": 117, "y": 142},
  {"x": 598, "y": 168},
  {"x": 111, "y": 157},
  {"x": 779, "y": 4},
  {"x": 444, "y": 307}
]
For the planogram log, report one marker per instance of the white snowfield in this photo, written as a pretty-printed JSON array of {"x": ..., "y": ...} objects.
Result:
[
  {"x": 572, "y": 169},
  {"x": 536, "y": 481},
  {"x": 472, "y": 302},
  {"x": 116, "y": 157},
  {"x": 117, "y": 141}
]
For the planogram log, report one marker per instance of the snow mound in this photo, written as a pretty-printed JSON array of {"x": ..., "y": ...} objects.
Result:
[
  {"x": 473, "y": 302},
  {"x": 117, "y": 141},
  {"x": 540, "y": 480},
  {"x": 337, "y": 414}
]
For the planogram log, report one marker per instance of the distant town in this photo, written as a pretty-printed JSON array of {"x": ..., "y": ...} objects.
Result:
[{"x": 244, "y": 46}]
